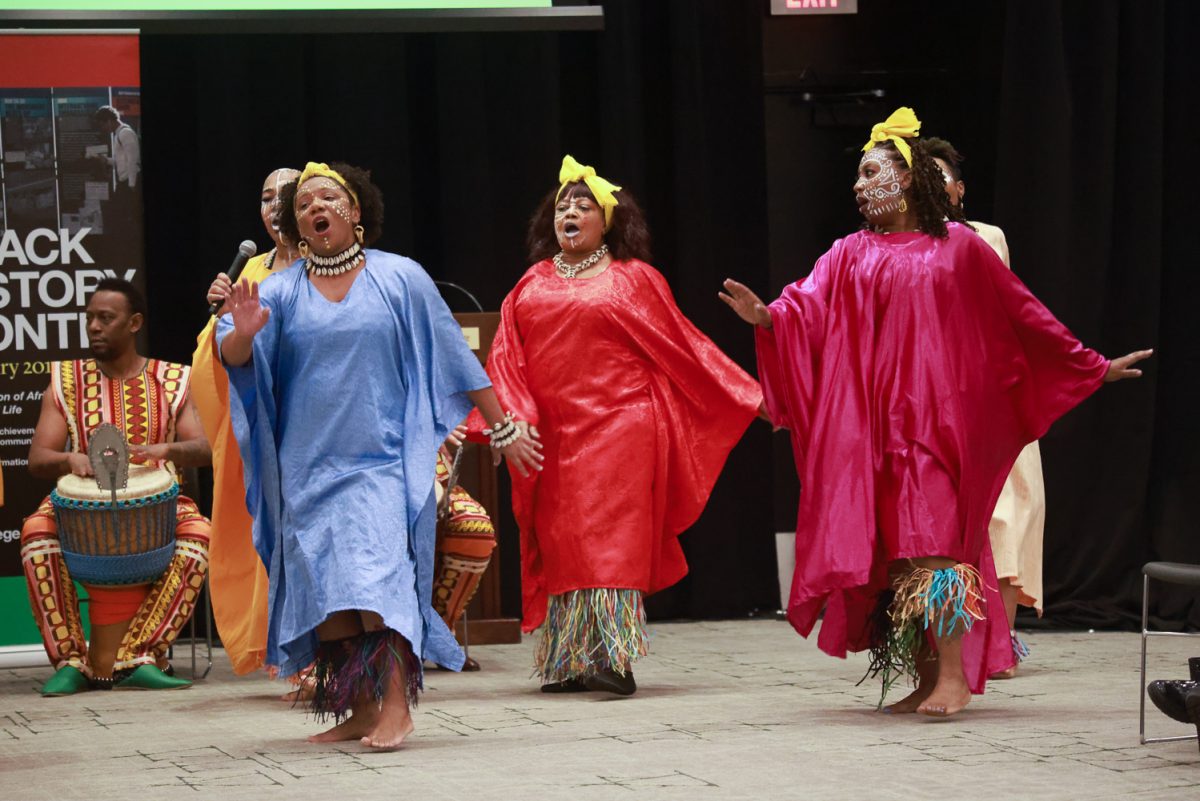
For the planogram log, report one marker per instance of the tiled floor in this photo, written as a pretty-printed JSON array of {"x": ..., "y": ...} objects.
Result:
[{"x": 731, "y": 710}]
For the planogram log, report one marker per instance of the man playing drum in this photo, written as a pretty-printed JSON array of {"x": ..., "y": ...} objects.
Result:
[{"x": 148, "y": 401}]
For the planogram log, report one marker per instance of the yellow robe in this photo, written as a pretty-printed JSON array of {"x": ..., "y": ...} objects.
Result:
[
  {"x": 237, "y": 579},
  {"x": 1019, "y": 519}
]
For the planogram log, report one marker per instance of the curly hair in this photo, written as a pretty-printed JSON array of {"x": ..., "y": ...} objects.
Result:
[
  {"x": 627, "y": 237},
  {"x": 927, "y": 192},
  {"x": 370, "y": 204},
  {"x": 942, "y": 149}
]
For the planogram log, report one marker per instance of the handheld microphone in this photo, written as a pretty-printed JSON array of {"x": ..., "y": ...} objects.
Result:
[{"x": 246, "y": 250}]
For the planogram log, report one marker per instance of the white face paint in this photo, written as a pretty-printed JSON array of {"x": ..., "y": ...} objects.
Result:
[
  {"x": 578, "y": 224},
  {"x": 269, "y": 205},
  {"x": 954, "y": 187},
  {"x": 325, "y": 215},
  {"x": 878, "y": 186}
]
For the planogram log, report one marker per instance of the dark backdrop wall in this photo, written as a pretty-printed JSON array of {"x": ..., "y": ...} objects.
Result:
[
  {"x": 1071, "y": 115},
  {"x": 464, "y": 133},
  {"x": 739, "y": 134}
]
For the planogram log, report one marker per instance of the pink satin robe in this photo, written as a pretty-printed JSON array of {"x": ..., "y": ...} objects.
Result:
[{"x": 910, "y": 371}]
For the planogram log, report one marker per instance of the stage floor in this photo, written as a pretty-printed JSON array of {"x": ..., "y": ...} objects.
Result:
[{"x": 725, "y": 711}]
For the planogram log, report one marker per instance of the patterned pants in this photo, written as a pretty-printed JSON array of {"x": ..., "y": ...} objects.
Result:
[
  {"x": 464, "y": 547},
  {"x": 158, "y": 620}
]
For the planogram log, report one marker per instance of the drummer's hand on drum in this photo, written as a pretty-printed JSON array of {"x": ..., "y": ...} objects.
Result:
[
  {"x": 219, "y": 290},
  {"x": 150, "y": 453},
  {"x": 249, "y": 315},
  {"x": 79, "y": 465}
]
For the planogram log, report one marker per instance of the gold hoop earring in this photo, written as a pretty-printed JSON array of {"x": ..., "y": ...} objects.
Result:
[
  {"x": 358, "y": 233},
  {"x": 903, "y": 205},
  {"x": 303, "y": 248}
]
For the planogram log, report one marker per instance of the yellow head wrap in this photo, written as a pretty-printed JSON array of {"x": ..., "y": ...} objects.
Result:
[
  {"x": 602, "y": 190},
  {"x": 315, "y": 169},
  {"x": 903, "y": 124}
]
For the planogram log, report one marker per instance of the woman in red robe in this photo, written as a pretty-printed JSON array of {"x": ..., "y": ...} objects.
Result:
[
  {"x": 910, "y": 367},
  {"x": 636, "y": 411}
]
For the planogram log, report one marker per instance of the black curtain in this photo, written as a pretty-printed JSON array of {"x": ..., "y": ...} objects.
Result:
[
  {"x": 1067, "y": 110},
  {"x": 464, "y": 134},
  {"x": 1095, "y": 193}
]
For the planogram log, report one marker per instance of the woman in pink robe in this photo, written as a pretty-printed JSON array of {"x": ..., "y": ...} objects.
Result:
[{"x": 910, "y": 367}]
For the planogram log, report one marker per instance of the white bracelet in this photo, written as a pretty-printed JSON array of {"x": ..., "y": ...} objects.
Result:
[{"x": 504, "y": 433}]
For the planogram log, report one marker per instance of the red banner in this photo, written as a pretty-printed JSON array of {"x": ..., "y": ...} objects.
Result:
[{"x": 50, "y": 61}]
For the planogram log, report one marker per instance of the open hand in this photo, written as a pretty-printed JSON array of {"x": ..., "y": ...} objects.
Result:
[
  {"x": 249, "y": 315},
  {"x": 747, "y": 305},
  {"x": 526, "y": 453},
  {"x": 1122, "y": 367}
]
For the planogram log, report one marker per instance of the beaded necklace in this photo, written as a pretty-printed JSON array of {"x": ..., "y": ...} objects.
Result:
[{"x": 339, "y": 263}]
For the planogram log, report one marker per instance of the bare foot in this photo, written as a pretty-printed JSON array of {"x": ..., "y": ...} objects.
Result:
[
  {"x": 303, "y": 692},
  {"x": 1004, "y": 674},
  {"x": 389, "y": 733},
  {"x": 911, "y": 701},
  {"x": 927, "y": 677},
  {"x": 357, "y": 726},
  {"x": 948, "y": 697}
]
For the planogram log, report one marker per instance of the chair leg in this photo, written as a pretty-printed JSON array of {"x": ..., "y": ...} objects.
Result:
[
  {"x": 192, "y": 625},
  {"x": 466, "y": 624},
  {"x": 1142, "y": 687},
  {"x": 208, "y": 633}
]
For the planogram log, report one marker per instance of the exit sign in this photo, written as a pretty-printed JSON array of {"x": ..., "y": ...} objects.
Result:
[{"x": 814, "y": 6}]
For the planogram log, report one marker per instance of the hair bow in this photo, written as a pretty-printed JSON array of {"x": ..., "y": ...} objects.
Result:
[
  {"x": 604, "y": 191},
  {"x": 903, "y": 124}
]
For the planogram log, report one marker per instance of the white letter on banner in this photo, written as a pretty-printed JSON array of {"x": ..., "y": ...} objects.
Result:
[
  {"x": 85, "y": 283},
  {"x": 62, "y": 318},
  {"x": 10, "y": 248},
  {"x": 23, "y": 279},
  {"x": 74, "y": 244},
  {"x": 31, "y": 253},
  {"x": 44, "y": 289},
  {"x": 27, "y": 329}
]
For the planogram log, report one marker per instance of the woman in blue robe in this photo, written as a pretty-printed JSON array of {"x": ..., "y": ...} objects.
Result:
[{"x": 349, "y": 371}]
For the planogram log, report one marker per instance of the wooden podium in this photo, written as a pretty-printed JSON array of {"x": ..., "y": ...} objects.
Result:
[{"x": 484, "y": 618}]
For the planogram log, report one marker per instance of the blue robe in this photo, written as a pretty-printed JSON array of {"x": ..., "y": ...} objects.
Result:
[{"x": 338, "y": 418}]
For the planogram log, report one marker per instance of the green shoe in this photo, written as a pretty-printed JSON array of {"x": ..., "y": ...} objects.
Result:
[
  {"x": 67, "y": 681},
  {"x": 149, "y": 677}
]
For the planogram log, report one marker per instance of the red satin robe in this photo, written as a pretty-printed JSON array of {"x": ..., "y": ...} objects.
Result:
[
  {"x": 637, "y": 411},
  {"x": 910, "y": 372}
]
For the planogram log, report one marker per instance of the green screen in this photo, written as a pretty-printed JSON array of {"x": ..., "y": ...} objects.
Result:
[
  {"x": 263, "y": 5},
  {"x": 16, "y": 622}
]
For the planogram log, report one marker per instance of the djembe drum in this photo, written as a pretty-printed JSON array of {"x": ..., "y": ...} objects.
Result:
[
  {"x": 117, "y": 536},
  {"x": 465, "y": 540}
]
